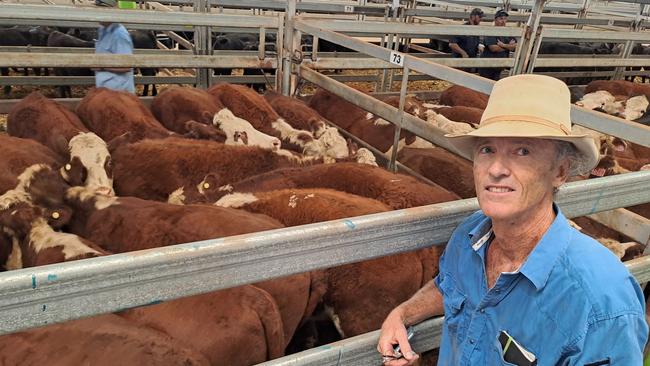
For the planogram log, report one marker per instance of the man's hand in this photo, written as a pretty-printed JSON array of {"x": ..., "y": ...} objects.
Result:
[
  {"x": 501, "y": 44},
  {"x": 393, "y": 332}
]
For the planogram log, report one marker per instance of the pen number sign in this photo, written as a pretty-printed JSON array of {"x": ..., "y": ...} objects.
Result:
[{"x": 396, "y": 58}]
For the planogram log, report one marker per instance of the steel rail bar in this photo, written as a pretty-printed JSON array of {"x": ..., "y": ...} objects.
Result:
[
  {"x": 84, "y": 50},
  {"x": 310, "y": 7},
  {"x": 408, "y": 29},
  {"x": 625, "y": 222},
  {"x": 94, "y": 25},
  {"x": 573, "y": 34},
  {"x": 17, "y": 59},
  {"x": 37, "y": 296},
  {"x": 70, "y": 13},
  {"x": 589, "y": 62},
  {"x": 374, "y": 63},
  {"x": 362, "y": 349},
  {"x": 627, "y": 130}
]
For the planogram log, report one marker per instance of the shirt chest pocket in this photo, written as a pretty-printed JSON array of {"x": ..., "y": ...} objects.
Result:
[{"x": 454, "y": 303}]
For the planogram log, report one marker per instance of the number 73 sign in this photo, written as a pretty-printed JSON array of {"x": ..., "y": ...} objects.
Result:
[{"x": 396, "y": 58}]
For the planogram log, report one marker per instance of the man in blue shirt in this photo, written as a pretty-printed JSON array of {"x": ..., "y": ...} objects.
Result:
[
  {"x": 497, "y": 47},
  {"x": 517, "y": 284},
  {"x": 113, "y": 38}
]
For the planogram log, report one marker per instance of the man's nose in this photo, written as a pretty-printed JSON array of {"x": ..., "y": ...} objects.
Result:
[{"x": 498, "y": 167}]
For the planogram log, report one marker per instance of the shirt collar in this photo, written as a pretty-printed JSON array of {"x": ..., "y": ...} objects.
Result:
[{"x": 541, "y": 260}]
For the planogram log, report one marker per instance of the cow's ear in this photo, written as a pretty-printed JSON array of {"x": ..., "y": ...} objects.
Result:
[
  {"x": 118, "y": 141},
  {"x": 61, "y": 145},
  {"x": 352, "y": 148},
  {"x": 206, "y": 118},
  {"x": 619, "y": 144}
]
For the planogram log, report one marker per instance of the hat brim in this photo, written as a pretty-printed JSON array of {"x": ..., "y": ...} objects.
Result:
[{"x": 585, "y": 144}]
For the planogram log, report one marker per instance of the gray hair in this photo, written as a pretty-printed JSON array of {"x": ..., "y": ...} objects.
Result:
[{"x": 566, "y": 150}]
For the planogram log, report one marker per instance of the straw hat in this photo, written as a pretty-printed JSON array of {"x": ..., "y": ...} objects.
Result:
[{"x": 528, "y": 106}]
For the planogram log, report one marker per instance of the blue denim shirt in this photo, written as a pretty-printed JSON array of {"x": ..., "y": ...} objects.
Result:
[
  {"x": 572, "y": 302},
  {"x": 114, "y": 39}
]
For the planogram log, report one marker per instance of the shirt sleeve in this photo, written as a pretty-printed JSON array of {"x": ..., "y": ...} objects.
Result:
[
  {"x": 454, "y": 39},
  {"x": 614, "y": 341},
  {"x": 490, "y": 41},
  {"x": 123, "y": 45}
]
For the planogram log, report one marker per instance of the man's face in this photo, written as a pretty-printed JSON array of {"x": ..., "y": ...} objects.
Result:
[
  {"x": 500, "y": 21},
  {"x": 514, "y": 177},
  {"x": 474, "y": 19}
]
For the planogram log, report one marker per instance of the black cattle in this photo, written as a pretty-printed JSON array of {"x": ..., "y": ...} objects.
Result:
[
  {"x": 566, "y": 48},
  {"x": 59, "y": 39},
  {"x": 639, "y": 49}
]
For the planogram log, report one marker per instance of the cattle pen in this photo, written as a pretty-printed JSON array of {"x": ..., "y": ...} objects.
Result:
[{"x": 38, "y": 296}]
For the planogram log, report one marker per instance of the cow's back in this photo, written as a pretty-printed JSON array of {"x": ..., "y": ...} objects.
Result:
[
  {"x": 110, "y": 113},
  {"x": 457, "y": 95},
  {"x": 336, "y": 109},
  {"x": 177, "y": 105},
  {"x": 17, "y": 155},
  {"x": 44, "y": 120}
]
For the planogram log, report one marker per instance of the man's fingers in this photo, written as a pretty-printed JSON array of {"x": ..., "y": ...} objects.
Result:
[{"x": 405, "y": 346}]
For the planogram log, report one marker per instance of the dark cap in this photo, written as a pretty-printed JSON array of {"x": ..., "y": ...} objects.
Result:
[
  {"x": 501, "y": 13},
  {"x": 477, "y": 11}
]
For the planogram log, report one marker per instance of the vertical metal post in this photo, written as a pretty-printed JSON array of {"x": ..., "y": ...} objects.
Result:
[
  {"x": 392, "y": 166},
  {"x": 629, "y": 45},
  {"x": 537, "y": 43},
  {"x": 582, "y": 14},
  {"x": 203, "y": 44},
  {"x": 379, "y": 85},
  {"x": 393, "y": 43},
  {"x": 524, "y": 48},
  {"x": 290, "y": 13},
  {"x": 279, "y": 46}
]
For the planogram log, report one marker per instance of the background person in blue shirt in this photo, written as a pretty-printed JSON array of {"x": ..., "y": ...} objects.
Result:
[
  {"x": 113, "y": 38},
  {"x": 497, "y": 47},
  {"x": 517, "y": 266}
]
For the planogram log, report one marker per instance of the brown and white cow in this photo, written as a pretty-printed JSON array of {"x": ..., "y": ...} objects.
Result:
[
  {"x": 18, "y": 154},
  {"x": 398, "y": 191},
  {"x": 124, "y": 224},
  {"x": 110, "y": 113},
  {"x": 245, "y": 103},
  {"x": 352, "y": 289},
  {"x": 154, "y": 169},
  {"x": 457, "y": 95},
  {"x": 101, "y": 340},
  {"x": 50, "y": 123},
  {"x": 370, "y": 128},
  {"x": 619, "y": 87},
  {"x": 37, "y": 243},
  {"x": 470, "y": 115},
  {"x": 302, "y": 117}
]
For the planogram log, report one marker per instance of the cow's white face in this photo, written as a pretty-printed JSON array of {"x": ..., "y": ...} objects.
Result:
[
  {"x": 635, "y": 107},
  {"x": 240, "y": 132},
  {"x": 334, "y": 145},
  {"x": 595, "y": 100},
  {"x": 90, "y": 164}
]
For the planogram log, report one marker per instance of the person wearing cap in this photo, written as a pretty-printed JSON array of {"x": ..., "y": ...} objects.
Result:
[
  {"x": 497, "y": 47},
  {"x": 113, "y": 38},
  {"x": 516, "y": 280},
  {"x": 467, "y": 46}
]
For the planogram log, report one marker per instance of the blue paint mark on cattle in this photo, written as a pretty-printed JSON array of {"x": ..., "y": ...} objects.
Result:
[
  {"x": 51, "y": 277},
  {"x": 33, "y": 282},
  {"x": 44, "y": 307},
  {"x": 349, "y": 224}
]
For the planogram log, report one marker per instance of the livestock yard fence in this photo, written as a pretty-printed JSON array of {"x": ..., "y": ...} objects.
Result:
[{"x": 43, "y": 295}]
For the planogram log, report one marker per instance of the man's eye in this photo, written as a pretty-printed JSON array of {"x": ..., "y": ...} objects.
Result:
[
  {"x": 485, "y": 150},
  {"x": 523, "y": 151}
]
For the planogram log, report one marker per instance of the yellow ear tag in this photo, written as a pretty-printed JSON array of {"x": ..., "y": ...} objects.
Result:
[
  {"x": 55, "y": 215},
  {"x": 206, "y": 185},
  {"x": 68, "y": 167}
]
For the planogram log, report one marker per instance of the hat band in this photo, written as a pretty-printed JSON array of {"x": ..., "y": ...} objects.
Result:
[{"x": 531, "y": 119}]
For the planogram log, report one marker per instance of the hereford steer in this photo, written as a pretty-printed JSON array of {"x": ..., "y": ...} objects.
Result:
[
  {"x": 101, "y": 340},
  {"x": 457, "y": 95},
  {"x": 465, "y": 114},
  {"x": 19, "y": 154},
  {"x": 398, "y": 191},
  {"x": 154, "y": 169},
  {"x": 48, "y": 122},
  {"x": 448, "y": 170},
  {"x": 38, "y": 243},
  {"x": 352, "y": 289},
  {"x": 302, "y": 117},
  {"x": 245, "y": 103},
  {"x": 110, "y": 113},
  {"x": 619, "y": 87},
  {"x": 124, "y": 224}
]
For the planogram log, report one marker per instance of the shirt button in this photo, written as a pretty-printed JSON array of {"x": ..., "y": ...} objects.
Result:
[
  {"x": 471, "y": 341},
  {"x": 497, "y": 291},
  {"x": 482, "y": 311}
]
